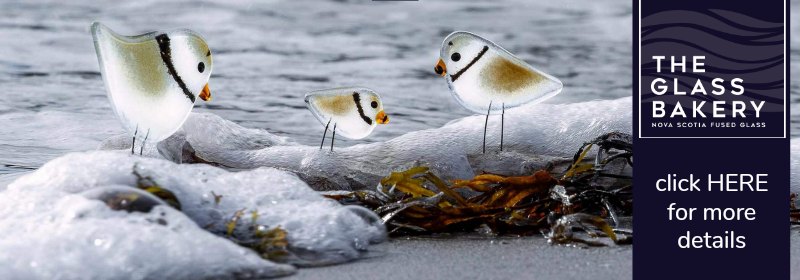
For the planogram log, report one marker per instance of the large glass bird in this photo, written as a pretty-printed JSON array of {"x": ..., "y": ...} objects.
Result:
[
  {"x": 485, "y": 78},
  {"x": 153, "y": 79}
]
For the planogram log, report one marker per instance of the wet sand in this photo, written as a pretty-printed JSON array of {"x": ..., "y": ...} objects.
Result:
[{"x": 480, "y": 258}]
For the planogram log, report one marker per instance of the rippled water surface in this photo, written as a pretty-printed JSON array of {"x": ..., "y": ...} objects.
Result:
[{"x": 268, "y": 54}]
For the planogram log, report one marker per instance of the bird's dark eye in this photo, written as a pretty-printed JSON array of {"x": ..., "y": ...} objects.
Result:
[
  {"x": 201, "y": 67},
  {"x": 374, "y": 104},
  {"x": 455, "y": 57}
]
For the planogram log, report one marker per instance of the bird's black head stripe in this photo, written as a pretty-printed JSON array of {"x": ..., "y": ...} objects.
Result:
[
  {"x": 166, "y": 56},
  {"x": 456, "y": 75},
  {"x": 357, "y": 99}
]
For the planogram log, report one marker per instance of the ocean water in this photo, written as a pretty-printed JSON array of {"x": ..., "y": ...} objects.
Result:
[{"x": 268, "y": 54}]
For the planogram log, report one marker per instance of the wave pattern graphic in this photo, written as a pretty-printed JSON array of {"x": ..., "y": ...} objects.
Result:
[{"x": 735, "y": 46}]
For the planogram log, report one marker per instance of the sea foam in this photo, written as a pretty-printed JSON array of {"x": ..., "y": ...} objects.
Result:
[{"x": 50, "y": 230}]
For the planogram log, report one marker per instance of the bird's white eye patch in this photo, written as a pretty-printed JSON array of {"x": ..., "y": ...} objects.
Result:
[{"x": 457, "y": 49}]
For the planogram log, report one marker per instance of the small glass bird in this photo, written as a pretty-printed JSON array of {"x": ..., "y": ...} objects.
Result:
[
  {"x": 354, "y": 111},
  {"x": 153, "y": 79},
  {"x": 484, "y": 77}
]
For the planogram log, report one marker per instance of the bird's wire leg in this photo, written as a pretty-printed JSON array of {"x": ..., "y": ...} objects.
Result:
[
  {"x": 133, "y": 144},
  {"x": 141, "y": 149},
  {"x": 502, "y": 123},
  {"x": 324, "y": 133},
  {"x": 484, "y": 126},
  {"x": 333, "y": 137}
]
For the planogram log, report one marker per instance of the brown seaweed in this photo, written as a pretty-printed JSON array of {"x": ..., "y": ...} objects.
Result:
[
  {"x": 588, "y": 198},
  {"x": 149, "y": 185},
  {"x": 133, "y": 200}
]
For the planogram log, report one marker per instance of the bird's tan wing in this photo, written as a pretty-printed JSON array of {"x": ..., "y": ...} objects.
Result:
[
  {"x": 511, "y": 77},
  {"x": 133, "y": 60},
  {"x": 332, "y": 105}
]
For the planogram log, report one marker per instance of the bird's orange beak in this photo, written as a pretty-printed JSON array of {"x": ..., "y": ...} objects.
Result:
[
  {"x": 205, "y": 94},
  {"x": 440, "y": 68},
  {"x": 382, "y": 118}
]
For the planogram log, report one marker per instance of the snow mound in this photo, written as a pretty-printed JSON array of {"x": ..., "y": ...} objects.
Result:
[{"x": 52, "y": 229}]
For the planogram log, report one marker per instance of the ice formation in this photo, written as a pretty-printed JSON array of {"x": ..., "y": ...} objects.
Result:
[
  {"x": 51, "y": 228},
  {"x": 541, "y": 134}
]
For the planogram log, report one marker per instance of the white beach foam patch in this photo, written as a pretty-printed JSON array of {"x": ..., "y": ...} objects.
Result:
[{"x": 49, "y": 230}]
